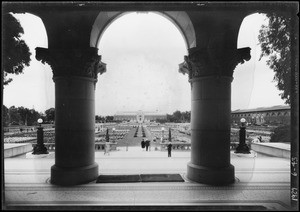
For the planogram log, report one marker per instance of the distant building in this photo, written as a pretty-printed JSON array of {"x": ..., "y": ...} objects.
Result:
[
  {"x": 139, "y": 116},
  {"x": 280, "y": 114}
]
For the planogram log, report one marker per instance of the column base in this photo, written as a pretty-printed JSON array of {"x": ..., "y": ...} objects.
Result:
[
  {"x": 208, "y": 175},
  {"x": 73, "y": 176}
]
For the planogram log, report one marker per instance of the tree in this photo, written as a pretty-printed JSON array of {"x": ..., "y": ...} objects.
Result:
[
  {"x": 16, "y": 54},
  {"x": 14, "y": 116},
  {"x": 186, "y": 116},
  {"x": 27, "y": 116},
  {"x": 50, "y": 114},
  {"x": 32, "y": 117},
  {"x": 109, "y": 118},
  {"x": 24, "y": 113},
  {"x": 281, "y": 134},
  {"x": 275, "y": 41},
  {"x": 177, "y": 115},
  {"x": 170, "y": 118},
  {"x": 162, "y": 121},
  {"x": 5, "y": 114}
]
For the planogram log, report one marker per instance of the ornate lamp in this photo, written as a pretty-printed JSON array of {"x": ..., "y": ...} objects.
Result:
[
  {"x": 113, "y": 130},
  {"x": 40, "y": 148},
  {"x": 40, "y": 121},
  {"x": 242, "y": 147},
  {"x": 162, "y": 135}
]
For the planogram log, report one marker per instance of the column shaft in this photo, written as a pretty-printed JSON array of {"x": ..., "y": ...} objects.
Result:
[
  {"x": 74, "y": 131},
  {"x": 210, "y": 125}
]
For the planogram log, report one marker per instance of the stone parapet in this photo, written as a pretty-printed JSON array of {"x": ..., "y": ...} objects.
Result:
[
  {"x": 11, "y": 150},
  {"x": 281, "y": 150}
]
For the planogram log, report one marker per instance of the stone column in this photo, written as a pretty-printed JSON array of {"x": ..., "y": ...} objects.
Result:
[
  {"x": 75, "y": 75},
  {"x": 210, "y": 79}
]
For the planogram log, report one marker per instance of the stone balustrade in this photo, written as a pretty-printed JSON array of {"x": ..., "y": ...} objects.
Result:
[
  {"x": 19, "y": 139},
  {"x": 99, "y": 146},
  {"x": 111, "y": 138},
  {"x": 176, "y": 146}
]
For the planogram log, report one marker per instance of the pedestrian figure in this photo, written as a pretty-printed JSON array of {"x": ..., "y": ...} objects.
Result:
[
  {"x": 147, "y": 144},
  {"x": 155, "y": 144},
  {"x": 169, "y": 149},
  {"x": 143, "y": 144}
]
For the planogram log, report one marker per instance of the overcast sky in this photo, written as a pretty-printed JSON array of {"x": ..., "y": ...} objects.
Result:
[{"x": 142, "y": 53}]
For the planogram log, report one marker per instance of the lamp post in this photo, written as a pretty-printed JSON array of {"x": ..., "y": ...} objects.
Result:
[
  {"x": 113, "y": 131},
  {"x": 40, "y": 148},
  {"x": 162, "y": 134},
  {"x": 107, "y": 145},
  {"x": 40, "y": 121},
  {"x": 242, "y": 147},
  {"x": 107, "y": 135}
]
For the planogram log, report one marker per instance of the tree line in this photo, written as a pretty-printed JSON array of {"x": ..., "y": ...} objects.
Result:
[
  {"x": 177, "y": 117},
  {"x": 25, "y": 116},
  {"x": 103, "y": 119}
]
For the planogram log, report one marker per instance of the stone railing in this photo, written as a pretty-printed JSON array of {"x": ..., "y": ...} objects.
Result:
[
  {"x": 99, "y": 146},
  {"x": 24, "y": 128},
  {"x": 176, "y": 146},
  {"x": 19, "y": 139},
  {"x": 101, "y": 138},
  {"x": 282, "y": 150}
]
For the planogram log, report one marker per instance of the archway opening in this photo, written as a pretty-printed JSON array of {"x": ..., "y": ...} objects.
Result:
[
  {"x": 254, "y": 94},
  {"x": 142, "y": 52},
  {"x": 255, "y": 76},
  {"x": 33, "y": 88}
]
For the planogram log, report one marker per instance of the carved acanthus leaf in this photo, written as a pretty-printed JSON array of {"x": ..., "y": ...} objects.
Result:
[
  {"x": 239, "y": 56},
  {"x": 72, "y": 62},
  {"x": 209, "y": 62},
  {"x": 196, "y": 64},
  {"x": 94, "y": 66}
]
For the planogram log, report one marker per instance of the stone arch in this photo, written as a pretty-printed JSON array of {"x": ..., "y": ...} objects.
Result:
[{"x": 179, "y": 18}]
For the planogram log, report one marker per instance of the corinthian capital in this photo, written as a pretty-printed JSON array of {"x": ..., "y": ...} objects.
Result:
[
  {"x": 72, "y": 62},
  {"x": 197, "y": 63},
  {"x": 94, "y": 66},
  {"x": 213, "y": 62},
  {"x": 238, "y": 56},
  {"x": 184, "y": 67}
]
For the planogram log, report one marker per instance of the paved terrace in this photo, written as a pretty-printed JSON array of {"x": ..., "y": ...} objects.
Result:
[{"x": 262, "y": 183}]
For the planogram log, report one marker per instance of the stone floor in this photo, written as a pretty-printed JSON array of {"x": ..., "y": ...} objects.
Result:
[{"x": 261, "y": 181}]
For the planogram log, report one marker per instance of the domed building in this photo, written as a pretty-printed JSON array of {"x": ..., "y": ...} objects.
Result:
[{"x": 139, "y": 116}]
